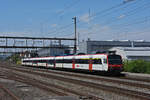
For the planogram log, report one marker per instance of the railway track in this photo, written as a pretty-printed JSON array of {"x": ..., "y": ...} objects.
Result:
[
  {"x": 113, "y": 80},
  {"x": 125, "y": 77},
  {"x": 136, "y": 79},
  {"x": 6, "y": 93},
  {"x": 106, "y": 79},
  {"x": 32, "y": 82},
  {"x": 58, "y": 90},
  {"x": 127, "y": 92}
]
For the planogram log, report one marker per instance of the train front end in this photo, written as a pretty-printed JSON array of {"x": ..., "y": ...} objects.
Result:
[{"x": 115, "y": 63}]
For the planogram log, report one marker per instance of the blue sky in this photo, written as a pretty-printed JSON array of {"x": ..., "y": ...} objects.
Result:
[{"x": 49, "y": 18}]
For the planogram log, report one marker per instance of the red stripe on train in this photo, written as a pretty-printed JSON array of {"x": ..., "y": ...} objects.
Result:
[
  {"x": 115, "y": 65},
  {"x": 73, "y": 64},
  {"x": 90, "y": 65}
]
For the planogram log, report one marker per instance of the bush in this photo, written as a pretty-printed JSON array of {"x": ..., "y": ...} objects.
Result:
[
  {"x": 148, "y": 68},
  {"x": 14, "y": 58},
  {"x": 137, "y": 66}
]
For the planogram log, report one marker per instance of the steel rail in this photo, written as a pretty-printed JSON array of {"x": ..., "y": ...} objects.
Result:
[
  {"x": 32, "y": 81},
  {"x": 9, "y": 92},
  {"x": 104, "y": 79},
  {"x": 131, "y": 93},
  {"x": 101, "y": 78}
]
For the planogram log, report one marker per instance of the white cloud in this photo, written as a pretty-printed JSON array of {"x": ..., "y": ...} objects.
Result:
[
  {"x": 85, "y": 18},
  {"x": 54, "y": 25},
  {"x": 121, "y": 16},
  {"x": 95, "y": 32}
]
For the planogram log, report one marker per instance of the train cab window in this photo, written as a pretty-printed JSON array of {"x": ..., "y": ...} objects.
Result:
[{"x": 114, "y": 59}]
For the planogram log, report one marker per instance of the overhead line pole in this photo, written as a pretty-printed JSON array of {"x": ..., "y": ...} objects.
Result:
[{"x": 75, "y": 35}]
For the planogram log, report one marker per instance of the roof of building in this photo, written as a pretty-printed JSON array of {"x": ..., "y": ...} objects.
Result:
[{"x": 134, "y": 51}]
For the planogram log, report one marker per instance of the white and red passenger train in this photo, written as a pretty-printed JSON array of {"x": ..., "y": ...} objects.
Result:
[{"x": 93, "y": 62}]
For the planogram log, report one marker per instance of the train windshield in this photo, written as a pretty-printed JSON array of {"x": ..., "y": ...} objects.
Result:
[{"x": 114, "y": 59}]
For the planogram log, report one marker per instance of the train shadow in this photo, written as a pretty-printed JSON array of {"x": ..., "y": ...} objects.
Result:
[{"x": 97, "y": 73}]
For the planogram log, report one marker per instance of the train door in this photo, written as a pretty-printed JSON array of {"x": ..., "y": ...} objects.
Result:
[
  {"x": 54, "y": 63},
  {"x": 104, "y": 64},
  {"x": 90, "y": 64},
  {"x": 73, "y": 63}
]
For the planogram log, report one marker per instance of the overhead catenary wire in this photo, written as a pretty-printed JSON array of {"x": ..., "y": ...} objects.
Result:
[
  {"x": 129, "y": 14},
  {"x": 60, "y": 33},
  {"x": 62, "y": 11},
  {"x": 94, "y": 15},
  {"x": 61, "y": 28},
  {"x": 69, "y": 6},
  {"x": 79, "y": 21},
  {"x": 107, "y": 13},
  {"x": 139, "y": 21}
]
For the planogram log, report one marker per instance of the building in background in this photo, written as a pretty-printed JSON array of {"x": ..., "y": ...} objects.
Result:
[
  {"x": 90, "y": 47},
  {"x": 28, "y": 54},
  {"x": 133, "y": 53},
  {"x": 65, "y": 50},
  {"x": 130, "y": 50}
]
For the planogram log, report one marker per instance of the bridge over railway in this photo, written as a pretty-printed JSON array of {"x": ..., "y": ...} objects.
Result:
[{"x": 8, "y": 43}]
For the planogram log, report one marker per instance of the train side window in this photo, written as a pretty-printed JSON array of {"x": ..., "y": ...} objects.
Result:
[
  {"x": 86, "y": 61},
  {"x": 77, "y": 61},
  {"x": 59, "y": 61},
  {"x": 97, "y": 61},
  {"x": 65, "y": 61},
  {"x": 69, "y": 61},
  {"x": 34, "y": 61},
  {"x": 81, "y": 61},
  {"x": 51, "y": 61},
  {"x": 42, "y": 61}
]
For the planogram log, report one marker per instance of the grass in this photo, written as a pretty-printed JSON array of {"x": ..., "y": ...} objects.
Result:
[{"x": 137, "y": 66}]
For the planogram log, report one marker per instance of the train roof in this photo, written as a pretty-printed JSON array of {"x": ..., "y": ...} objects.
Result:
[{"x": 65, "y": 57}]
